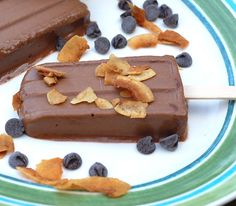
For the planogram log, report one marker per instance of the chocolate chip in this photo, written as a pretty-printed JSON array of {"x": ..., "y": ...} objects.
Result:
[
  {"x": 151, "y": 12},
  {"x": 98, "y": 169},
  {"x": 171, "y": 21},
  {"x": 14, "y": 127},
  {"x": 123, "y": 4},
  {"x": 146, "y": 145},
  {"x": 128, "y": 24},
  {"x": 170, "y": 143},
  {"x": 184, "y": 60},
  {"x": 72, "y": 161},
  {"x": 102, "y": 45},
  {"x": 93, "y": 30},
  {"x": 164, "y": 11},
  {"x": 60, "y": 42},
  {"x": 150, "y": 2},
  {"x": 17, "y": 159},
  {"x": 119, "y": 41},
  {"x": 126, "y": 13}
]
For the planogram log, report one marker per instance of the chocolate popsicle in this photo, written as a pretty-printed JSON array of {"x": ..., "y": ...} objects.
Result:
[
  {"x": 28, "y": 30},
  {"x": 166, "y": 115}
]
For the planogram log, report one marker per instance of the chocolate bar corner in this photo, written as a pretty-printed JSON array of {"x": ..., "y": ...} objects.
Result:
[{"x": 29, "y": 30}]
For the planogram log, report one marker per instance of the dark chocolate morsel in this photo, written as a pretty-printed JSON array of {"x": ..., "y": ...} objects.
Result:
[
  {"x": 93, "y": 30},
  {"x": 170, "y": 143},
  {"x": 119, "y": 41},
  {"x": 17, "y": 159},
  {"x": 171, "y": 21},
  {"x": 102, "y": 45},
  {"x": 184, "y": 60},
  {"x": 123, "y": 4},
  {"x": 146, "y": 145},
  {"x": 72, "y": 161},
  {"x": 98, "y": 169},
  {"x": 126, "y": 13},
  {"x": 60, "y": 42},
  {"x": 14, "y": 127},
  {"x": 150, "y": 2},
  {"x": 151, "y": 12},
  {"x": 128, "y": 24},
  {"x": 164, "y": 11}
]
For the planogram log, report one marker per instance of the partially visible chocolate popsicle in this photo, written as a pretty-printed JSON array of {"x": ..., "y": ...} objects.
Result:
[
  {"x": 166, "y": 114},
  {"x": 28, "y": 30}
]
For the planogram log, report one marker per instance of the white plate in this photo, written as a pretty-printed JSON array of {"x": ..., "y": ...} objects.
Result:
[{"x": 202, "y": 169}]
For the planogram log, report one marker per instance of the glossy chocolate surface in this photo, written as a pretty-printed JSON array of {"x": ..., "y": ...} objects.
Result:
[
  {"x": 165, "y": 116},
  {"x": 28, "y": 30}
]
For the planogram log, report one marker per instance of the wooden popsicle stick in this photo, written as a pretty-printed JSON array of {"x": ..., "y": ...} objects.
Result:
[{"x": 210, "y": 92}]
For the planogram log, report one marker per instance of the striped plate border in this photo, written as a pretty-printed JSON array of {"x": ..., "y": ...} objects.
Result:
[{"x": 211, "y": 181}]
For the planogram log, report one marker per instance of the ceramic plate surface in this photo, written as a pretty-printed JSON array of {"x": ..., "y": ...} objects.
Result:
[{"x": 201, "y": 171}]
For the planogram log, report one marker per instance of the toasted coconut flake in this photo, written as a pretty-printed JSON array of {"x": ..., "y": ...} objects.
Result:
[
  {"x": 48, "y": 72},
  {"x": 115, "y": 101},
  {"x": 103, "y": 103},
  {"x": 111, "y": 187},
  {"x": 166, "y": 42},
  {"x": 101, "y": 69},
  {"x": 34, "y": 176},
  {"x": 110, "y": 77},
  {"x": 144, "y": 75},
  {"x": 86, "y": 95},
  {"x": 50, "y": 81},
  {"x": 16, "y": 101},
  {"x": 125, "y": 93},
  {"x": 73, "y": 49},
  {"x": 50, "y": 169},
  {"x": 139, "y": 15},
  {"x": 3, "y": 151},
  {"x": 139, "y": 90},
  {"x": 3, "y": 148},
  {"x": 137, "y": 69},
  {"x": 150, "y": 26},
  {"x": 50, "y": 75},
  {"x": 6, "y": 145},
  {"x": 55, "y": 97},
  {"x": 132, "y": 109},
  {"x": 118, "y": 65},
  {"x": 143, "y": 41},
  {"x": 173, "y": 38}
]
